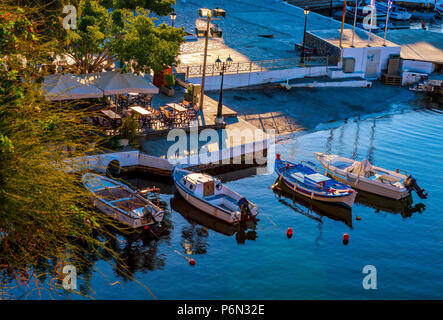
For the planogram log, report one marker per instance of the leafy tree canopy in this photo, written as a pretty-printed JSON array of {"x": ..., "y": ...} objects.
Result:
[{"x": 104, "y": 37}]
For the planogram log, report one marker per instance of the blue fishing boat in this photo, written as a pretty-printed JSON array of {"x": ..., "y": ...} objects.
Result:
[{"x": 305, "y": 179}]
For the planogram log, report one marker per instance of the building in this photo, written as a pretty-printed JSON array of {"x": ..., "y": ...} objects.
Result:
[{"x": 366, "y": 55}]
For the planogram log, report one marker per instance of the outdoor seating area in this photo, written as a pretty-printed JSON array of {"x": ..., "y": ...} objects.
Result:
[{"x": 126, "y": 95}]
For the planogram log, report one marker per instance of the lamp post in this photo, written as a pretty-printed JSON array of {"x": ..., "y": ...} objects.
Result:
[
  {"x": 207, "y": 13},
  {"x": 302, "y": 55},
  {"x": 173, "y": 15},
  {"x": 222, "y": 66}
]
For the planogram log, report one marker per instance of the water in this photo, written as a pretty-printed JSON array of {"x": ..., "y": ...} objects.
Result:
[{"x": 404, "y": 242}]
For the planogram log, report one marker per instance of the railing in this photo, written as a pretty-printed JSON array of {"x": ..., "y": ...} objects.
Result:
[{"x": 255, "y": 66}]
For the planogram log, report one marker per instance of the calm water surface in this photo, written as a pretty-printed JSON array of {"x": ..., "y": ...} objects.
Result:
[{"x": 404, "y": 242}]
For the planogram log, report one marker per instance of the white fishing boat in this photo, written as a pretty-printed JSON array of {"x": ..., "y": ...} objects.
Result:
[
  {"x": 121, "y": 202},
  {"x": 364, "y": 176},
  {"x": 210, "y": 196}
]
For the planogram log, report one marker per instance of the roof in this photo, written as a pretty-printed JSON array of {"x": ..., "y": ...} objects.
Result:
[
  {"x": 199, "y": 177},
  {"x": 67, "y": 87},
  {"x": 121, "y": 83},
  {"x": 418, "y": 44},
  {"x": 361, "y": 38}
]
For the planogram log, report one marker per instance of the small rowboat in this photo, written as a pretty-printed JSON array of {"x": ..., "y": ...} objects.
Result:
[
  {"x": 121, "y": 202},
  {"x": 304, "y": 179},
  {"x": 364, "y": 176},
  {"x": 210, "y": 196}
]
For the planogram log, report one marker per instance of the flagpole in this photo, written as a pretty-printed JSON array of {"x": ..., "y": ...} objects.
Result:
[
  {"x": 342, "y": 23},
  {"x": 387, "y": 19},
  {"x": 355, "y": 21},
  {"x": 372, "y": 21}
]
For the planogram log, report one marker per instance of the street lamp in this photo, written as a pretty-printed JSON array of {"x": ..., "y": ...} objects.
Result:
[
  {"x": 173, "y": 15},
  {"x": 208, "y": 15},
  {"x": 302, "y": 55},
  {"x": 222, "y": 66}
]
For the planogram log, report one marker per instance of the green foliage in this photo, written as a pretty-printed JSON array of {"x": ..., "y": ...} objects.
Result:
[
  {"x": 170, "y": 80},
  {"x": 160, "y": 7},
  {"x": 128, "y": 36},
  {"x": 190, "y": 89},
  {"x": 46, "y": 217},
  {"x": 129, "y": 128}
]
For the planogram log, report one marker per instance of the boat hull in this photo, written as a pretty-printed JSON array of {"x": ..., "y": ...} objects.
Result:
[
  {"x": 346, "y": 201},
  {"x": 362, "y": 183},
  {"x": 207, "y": 207}
]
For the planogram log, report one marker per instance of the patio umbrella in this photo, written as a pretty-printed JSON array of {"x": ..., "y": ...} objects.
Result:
[
  {"x": 121, "y": 83},
  {"x": 68, "y": 87}
]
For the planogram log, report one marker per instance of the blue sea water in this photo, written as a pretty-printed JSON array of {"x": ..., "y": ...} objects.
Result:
[
  {"x": 406, "y": 247},
  {"x": 403, "y": 241}
]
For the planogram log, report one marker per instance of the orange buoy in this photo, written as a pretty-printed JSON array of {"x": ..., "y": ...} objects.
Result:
[
  {"x": 192, "y": 262},
  {"x": 358, "y": 218},
  {"x": 289, "y": 232},
  {"x": 345, "y": 237}
]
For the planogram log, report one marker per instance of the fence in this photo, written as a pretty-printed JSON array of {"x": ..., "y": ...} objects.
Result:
[{"x": 256, "y": 66}]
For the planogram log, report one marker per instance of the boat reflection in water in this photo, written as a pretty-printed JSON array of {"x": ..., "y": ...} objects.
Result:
[
  {"x": 196, "y": 216},
  {"x": 334, "y": 212},
  {"x": 403, "y": 206}
]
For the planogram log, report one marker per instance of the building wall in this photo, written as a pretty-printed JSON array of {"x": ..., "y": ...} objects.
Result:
[
  {"x": 323, "y": 48},
  {"x": 257, "y": 78},
  {"x": 361, "y": 57}
]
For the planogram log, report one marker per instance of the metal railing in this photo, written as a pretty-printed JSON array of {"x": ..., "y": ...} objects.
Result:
[{"x": 255, "y": 66}]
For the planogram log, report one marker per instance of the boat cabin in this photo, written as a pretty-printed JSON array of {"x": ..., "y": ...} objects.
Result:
[{"x": 201, "y": 185}]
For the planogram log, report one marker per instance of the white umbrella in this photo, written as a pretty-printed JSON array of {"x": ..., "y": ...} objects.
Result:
[
  {"x": 68, "y": 87},
  {"x": 121, "y": 83}
]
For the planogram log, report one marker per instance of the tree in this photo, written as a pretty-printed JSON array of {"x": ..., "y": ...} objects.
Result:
[
  {"x": 46, "y": 218},
  {"x": 127, "y": 35}
]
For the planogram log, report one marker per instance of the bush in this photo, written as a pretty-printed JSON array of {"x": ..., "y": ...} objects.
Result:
[{"x": 170, "y": 80}]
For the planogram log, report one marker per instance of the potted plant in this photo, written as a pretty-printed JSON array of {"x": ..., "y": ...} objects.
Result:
[
  {"x": 168, "y": 88},
  {"x": 128, "y": 131},
  {"x": 189, "y": 94}
]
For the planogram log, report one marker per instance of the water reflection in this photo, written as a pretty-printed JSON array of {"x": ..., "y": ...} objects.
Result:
[
  {"x": 196, "y": 233},
  {"x": 333, "y": 212},
  {"x": 403, "y": 206}
]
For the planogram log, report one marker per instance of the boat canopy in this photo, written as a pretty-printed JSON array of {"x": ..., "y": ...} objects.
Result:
[{"x": 361, "y": 168}]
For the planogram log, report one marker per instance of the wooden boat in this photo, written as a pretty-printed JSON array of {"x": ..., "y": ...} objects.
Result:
[
  {"x": 209, "y": 195},
  {"x": 121, "y": 202},
  {"x": 364, "y": 176},
  {"x": 304, "y": 178}
]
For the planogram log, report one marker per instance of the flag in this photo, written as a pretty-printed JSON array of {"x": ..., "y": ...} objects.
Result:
[{"x": 389, "y": 3}]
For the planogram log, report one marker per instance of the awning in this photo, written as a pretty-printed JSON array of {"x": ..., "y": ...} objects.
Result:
[
  {"x": 68, "y": 87},
  {"x": 121, "y": 83}
]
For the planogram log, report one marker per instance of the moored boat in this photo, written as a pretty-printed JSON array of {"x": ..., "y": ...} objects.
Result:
[
  {"x": 305, "y": 179},
  {"x": 121, "y": 202},
  {"x": 395, "y": 12},
  {"x": 363, "y": 11},
  {"x": 364, "y": 176},
  {"x": 212, "y": 197},
  {"x": 439, "y": 8}
]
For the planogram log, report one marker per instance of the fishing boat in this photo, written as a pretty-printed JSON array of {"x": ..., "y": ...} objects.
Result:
[
  {"x": 121, "y": 202},
  {"x": 395, "y": 12},
  {"x": 321, "y": 209},
  {"x": 363, "y": 11},
  {"x": 364, "y": 176},
  {"x": 439, "y": 8},
  {"x": 212, "y": 197},
  {"x": 305, "y": 179}
]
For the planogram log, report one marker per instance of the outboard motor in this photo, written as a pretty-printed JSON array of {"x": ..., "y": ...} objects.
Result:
[
  {"x": 244, "y": 209},
  {"x": 411, "y": 184}
]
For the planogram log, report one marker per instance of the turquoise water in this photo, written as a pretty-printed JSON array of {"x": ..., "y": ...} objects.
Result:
[{"x": 404, "y": 243}]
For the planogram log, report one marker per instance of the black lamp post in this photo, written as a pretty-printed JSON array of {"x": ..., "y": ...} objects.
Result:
[
  {"x": 302, "y": 55},
  {"x": 222, "y": 66},
  {"x": 173, "y": 15}
]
